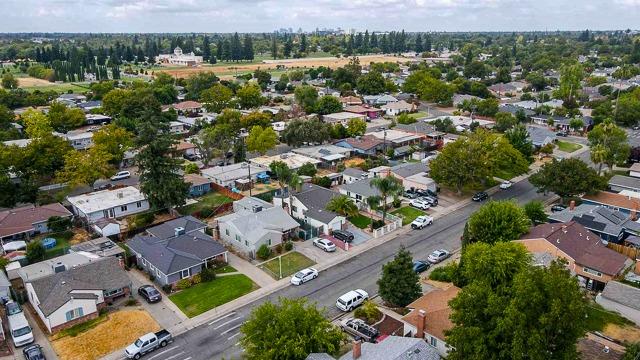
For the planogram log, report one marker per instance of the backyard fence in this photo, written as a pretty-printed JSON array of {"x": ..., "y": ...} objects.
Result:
[
  {"x": 224, "y": 191},
  {"x": 624, "y": 250},
  {"x": 394, "y": 224}
]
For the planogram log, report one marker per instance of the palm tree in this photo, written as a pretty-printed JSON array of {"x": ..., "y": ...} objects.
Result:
[
  {"x": 342, "y": 205},
  {"x": 374, "y": 203},
  {"x": 599, "y": 155},
  {"x": 387, "y": 186}
]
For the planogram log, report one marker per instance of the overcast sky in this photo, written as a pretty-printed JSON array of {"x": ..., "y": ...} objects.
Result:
[{"x": 269, "y": 15}]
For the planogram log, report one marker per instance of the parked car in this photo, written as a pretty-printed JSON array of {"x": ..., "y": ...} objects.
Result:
[
  {"x": 343, "y": 235},
  {"x": 506, "y": 184},
  {"x": 324, "y": 244},
  {"x": 562, "y": 133},
  {"x": 147, "y": 343},
  {"x": 149, "y": 293},
  {"x": 190, "y": 157},
  {"x": 303, "y": 276},
  {"x": 558, "y": 207},
  {"x": 430, "y": 200},
  {"x": 12, "y": 308},
  {"x": 21, "y": 332},
  {"x": 420, "y": 266},
  {"x": 33, "y": 352},
  {"x": 421, "y": 221},
  {"x": 480, "y": 196},
  {"x": 420, "y": 204},
  {"x": 410, "y": 195},
  {"x": 438, "y": 255},
  {"x": 359, "y": 329},
  {"x": 351, "y": 300},
  {"x": 121, "y": 175}
]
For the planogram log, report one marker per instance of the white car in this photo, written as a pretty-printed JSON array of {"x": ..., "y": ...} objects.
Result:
[
  {"x": 351, "y": 300},
  {"x": 324, "y": 244},
  {"x": 121, "y": 175},
  {"x": 505, "y": 185},
  {"x": 438, "y": 255},
  {"x": 420, "y": 204},
  {"x": 303, "y": 276},
  {"x": 421, "y": 221}
]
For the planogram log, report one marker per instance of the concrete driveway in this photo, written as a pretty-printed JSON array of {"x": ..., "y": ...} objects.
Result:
[
  {"x": 359, "y": 236},
  {"x": 39, "y": 336},
  {"x": 165, "y": 312}
]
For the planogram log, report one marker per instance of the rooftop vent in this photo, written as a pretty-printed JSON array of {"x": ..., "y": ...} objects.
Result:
[
  {"x": 179, "y": 231},
  {"x": 59, "y": 267},
  {"x": 256, "y": 208}
]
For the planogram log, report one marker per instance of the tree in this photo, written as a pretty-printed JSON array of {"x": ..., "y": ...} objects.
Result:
[
  {"x": 85, "y": 167},
  {"x": 9, "y": 81},
  {"x": 250, "y": 96},
  {"x": 608, "y": 145},
  {"x": 505, "y": 121},
  {"x": 627, "y": 108},
  {"x": 497, "y": 221},
  {"x": 399, "y": 285},
  {"x": 262, "y": 77},
  {"x": 299, "y": 131},
  {"x": 328, "y": 104},
  {"x": 372, "y": 83},
  {"x": 216, "y": 98},
  {"x": 35, "y": 252},
  {"x": 518, "y": 137},
  {"x": 632, "y": 351},
  {"x": 571, "y": 76},
  {"x": 568, "y": 177},
  {"x": 535, "y": 212},
  {"x": 307, "y": 169},
  {"x": 306, "y": 96},
  {"x": 114, "y": 141},
  {"x": 387, "y": 186},
  {"x": 261, "y": 139},
  {"x": 199, "y": 82},
  {"x": 356, "y": 127},
  {"x": 37, "y": 125},
  {"x": 343, "y": 205},
  {"x": 576, "y": 124},
  {"x": 58, "y": 224},
  {"x": 63, "y": 118},
  {"x": 405, "y": 119},
  {"x": 214, "y": 142},
  {"x": 290, "y": 330}
]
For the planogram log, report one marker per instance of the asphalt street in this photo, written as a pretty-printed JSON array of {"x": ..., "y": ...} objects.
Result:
[{"x": 219, "y": 338}]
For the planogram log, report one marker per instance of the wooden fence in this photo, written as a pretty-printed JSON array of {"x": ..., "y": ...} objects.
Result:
[
  {"x": 624, "y": 250},
  {"x": 224, "y": 191}
]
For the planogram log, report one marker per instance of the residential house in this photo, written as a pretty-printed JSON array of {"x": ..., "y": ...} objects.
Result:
[
  {"x": 514, "y": 110},
  {"x": 342, "y": 117},
  {"x": 350, "y": 100},
  {"x": 396, "y": 138},
  {"x": 562, "y": 123},
  {"x": 392, "y": 348},
  {"x": 626, "y": 202},
  {"x": 71, "y": 99},
  {"x": 328, "y": 155},
  {"x": 97, "y": 119},
  {"x": 108, "y": 204},
  {"x": 540, "y": 136},
  {"x": 403, "y": 171},
  {"x": 587, "y": 256},
  {"x": 350, "y": 175},
  {"x": 76, "y": 295},
  {"x": 88, "y": 106},
  {"x": 293, "y": 160},
  {"x": 369, "y": 112},
  {"x": 397, "y": 108},
  {"x": 379, "y": 171},
  {"x": 462, "y": 123},
  {"x": 594, "y": 347},
  {"x": 227, "y": 175},
  {"x": 102, "y": 246},
  {"x": 379, "y": 99},
  {"x": 328, "y": 91},
  {"x": 507, "y": 88},
  {"x": 363, "y": 145},
  {"x": 610, "y": 225},
  {"x": 29, "y": 220},
  {"x": 52, "y": 266},
  {"x": 178, "y": 128},
  {"x": 429, "y": 318},
  {"x": 619, "y": 183},
  {"x": 186, "y": 148},
  {"x": 621, "y": 298},
  {"x": 188, "y": 108},
  {"x": 634, "y": 170},
  {"x": 255, "y": 223},
  {"x": 198, "y": 185},
  {"x": 177, "y": 249},
  {"x": 79, "y": 139},
  {"x": 420, "y": 181},
  {"x": 359, "y": 191},
  {"x": 458, "y": 99},
  {"x": 309, "y": 206}
]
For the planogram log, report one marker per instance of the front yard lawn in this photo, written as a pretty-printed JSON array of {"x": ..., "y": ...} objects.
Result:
[
  {"x": 408, "y": 214},
  {"x": 225, "y": 269},
  {"x": 291, "y": 263},
  {"x": 598, "y": 318},
  {"x": 360, "y": 221},
  {"x": 207, "y": 295},
  {"x": 419, "y": 115},
  {"x": 568, "y": 146},
  {"x": 210, "y": 200}
]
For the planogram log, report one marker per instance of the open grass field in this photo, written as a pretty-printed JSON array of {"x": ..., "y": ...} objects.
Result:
[
  {"x": 408, "y": 214},
  {"x": 568, "y": 146},
  {"x": 291, "y": 263},
  {"x": 107, "y": 336}
]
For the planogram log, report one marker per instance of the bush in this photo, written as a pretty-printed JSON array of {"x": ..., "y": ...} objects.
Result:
[
  {"x": 279, "y": 248},
  {"x": 141, "y": 220},
  {"x": 206, "y": 212},
  {"x": 368, "y": 312},
  {"x": 447, "y": 273},
  {"x": 183, "y": 284},
  {"x": 288, "y": 246},
  {"x": 208, "y": 274},
  {"x": 396, "y": 203},
  {"x": 405, "y": 119},
  {"x": 377, "y": 224},
  {"x": 196, "y": 279},
  {"x": 58, "y": 224},
  {"x": 191, "y": 168},
  {"x": 167, "y": 288},
  {"x": 131, "y": 302},
  {"x": 35, "y": 251},
  {"x": 263, "y": 252}
]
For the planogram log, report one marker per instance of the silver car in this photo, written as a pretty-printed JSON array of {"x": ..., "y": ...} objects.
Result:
[{"x": 324, "y": 244}]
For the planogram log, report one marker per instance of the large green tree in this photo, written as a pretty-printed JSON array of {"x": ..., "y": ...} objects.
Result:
[
  {"x": 497, "y": 221},
  {"x": 518, "y": 137},
  {"x": 568, "y": 177},
  {"x": 399, "y": 285},
  {"x": 113, "y": 140},
  {"x": 328, "y": 104},
  {"x": 199, "y": 82},
  {"x": 214, "y": 141},
  {"x": 85, "y": 167},
  {"x": 372, "y": 83},
  {"x": 250, "y": 96},
  {"x": 216, "y": 98},
  {"x": 307, "y": 97},
  {"x": 299, "y": 131},
  {"x": 610, "y": 143},
  {"x": 261, "y": 139}
]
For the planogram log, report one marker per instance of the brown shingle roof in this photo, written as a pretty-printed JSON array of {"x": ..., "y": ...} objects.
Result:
[
  {"x": 358, "y": 109},
  {"x": 187, "y": 105},
  {"x": 351, "y": 100},
  {"x": 615, "y": 200},
  {"x": 364, "y": 143},
  {"x": 21, "y": 219},
  {"x": 196, "y": 180},
  {"x": 436, "y": 306}
]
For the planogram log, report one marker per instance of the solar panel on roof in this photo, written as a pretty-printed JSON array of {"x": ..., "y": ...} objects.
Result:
[
  {"x": 589, "y": 223},
  {"x": 610, "y": 215}
]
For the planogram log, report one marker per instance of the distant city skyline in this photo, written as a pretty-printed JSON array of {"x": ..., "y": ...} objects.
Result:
[{"x": 129, "y": 16}]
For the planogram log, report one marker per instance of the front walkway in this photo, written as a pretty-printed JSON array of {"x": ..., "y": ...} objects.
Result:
[{"x": 243, "y": 266}]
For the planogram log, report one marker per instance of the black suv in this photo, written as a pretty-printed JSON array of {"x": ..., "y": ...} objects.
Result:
[
  {"x": 33, "y": 352},
  {"x": 149, "y": 293},
  {"x": 480, "y": 196},
  {"x": 343, "y": 235}
]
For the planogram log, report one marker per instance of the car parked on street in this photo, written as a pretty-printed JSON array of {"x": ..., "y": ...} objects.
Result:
[
  {"x": 351, "y": 300},
  {"x": 121, "y": 175},
  {"x": 480, "y": 196},
  {"x": 562, "y": 133},
  {"x": 420, "y": 266},
  {"x": 149, "y": 293},
  {"x": 33, "y": 352},
  {"x": 343, "y": 235},
  {"x": 324, "y": 244},
  {"x": 359, "y": 329},
  {"x": 303, "y": 276},
  {"x": 558, "y": 207},
  {"x": 147, "y": 343},
  {"x": 420, "y": 204},
  {"x": 438, "y": 255},
  {"x": 421, "y": 221},
  {"x": 506, "y": 184}
]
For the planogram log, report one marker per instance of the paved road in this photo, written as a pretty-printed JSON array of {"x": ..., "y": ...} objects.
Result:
[{"x": 219, "y": 338}]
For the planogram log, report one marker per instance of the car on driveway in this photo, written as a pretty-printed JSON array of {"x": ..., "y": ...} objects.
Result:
[
  {"x": 432, "y": 201},
  {"x": 420, "y": 266},
  {"x": 303, "y": 276},
  {"x": 359, "y": 329},
  {"x": 421, "y": 221},
  {"x": 149, "y": 293},
  {"x": 343, "y": 235},
  {"x": 438, "y": 255},
  {"x": 562, "y": 133},
  {"x": 324, "y": 244},
  {"x": 12, "y": 308},
  {"x": 480, "y": 196},
  {"x": 420, "y": 204},
  {"x": 558, "y": 207},
  {"x": 506, "y": 184},
  {"x": 33, "y": 352},
  {"x": 410, "y": 195},
  {"x": 121, "y": 175}
]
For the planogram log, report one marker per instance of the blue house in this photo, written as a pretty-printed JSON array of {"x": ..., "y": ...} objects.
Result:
[
  {"x": 364, "y": 145},
  {"x": 199, "y": 185}
]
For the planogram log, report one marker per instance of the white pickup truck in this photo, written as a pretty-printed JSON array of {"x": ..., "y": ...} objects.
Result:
[{"x": 147, "y": 343}]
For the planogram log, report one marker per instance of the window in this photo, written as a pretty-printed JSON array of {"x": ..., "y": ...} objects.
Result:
[
  {"x": 144, "y": 262},
  {"x": 592, "y": 272},
  {"x": 123, "y": 208},
  {"x": 269, "y": 242},
  {"x": 358, "y": 197},
  {"x": 226, "y": 231},
  {"x": 139, "y": 204},
  {"x": 434, "y": 341},
  {"x": 294, "y": 209},
  {"x": 237, "y": 238},
  {"x": 184, "y": 274},
  {"x": 74, "y": 314}
]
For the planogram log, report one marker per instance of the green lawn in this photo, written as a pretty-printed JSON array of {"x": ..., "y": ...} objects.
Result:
[
  {"x": 291, "y": 263},
  {"x": 360, "y": 221},
  {"x": 210, "y": 200},
  {"x": 418, "y": 115},
  {"x": 408, "y": 214},
  {"x": 60, "y": 88},
  {"x": 207, "y": 295},
  {"x": 598, "y": 318},
  {"x": 226, "y": 269},
  {"x": 568, "y": 146},
  {"x": 62, "y": 243}
]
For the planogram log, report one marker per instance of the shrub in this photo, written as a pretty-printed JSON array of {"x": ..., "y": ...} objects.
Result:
[
  {"x": 368, "y": 312},
  {"x": 288, "y": 246},
  {"x": 207, "y": 275},
  {"x": 35, "y": 251},
  {"x": 279, "y": 248},
  {"x": 167, "y": 288},
  {"x": 131, "y": 302},
  {"x": 447, "y": 273},
  {"x": 183, "y": 284},
  {"x": 196, "y": 279},
  {"x": 206, "y": 212},
  {"x": 377, "y": 224},
  {"x": 396, "y": 203},
  {"x": 58, "y": 224},
  {"x": 405, "y": 119},
  {"x": 191, "y": 168},
  {"x": 263, "y": 252}
]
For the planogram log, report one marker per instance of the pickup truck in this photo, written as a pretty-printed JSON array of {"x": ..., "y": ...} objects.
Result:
[
  {"x": 147, "y": 343},
  {"x": 359, "y": 329}
]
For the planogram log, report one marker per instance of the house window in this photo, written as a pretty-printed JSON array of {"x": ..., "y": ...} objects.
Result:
[
  {"x": 592, "y": 272},
  {"x": 184, "y": 273},
  {"x": 358, "y": 197},
  {"x": 226, "y": 231},
  {"x": 269, "y": 242},
  {"x": 294, "y": 209},
  {"x": 158, "y": 273},
  {"x": 74, "y": 314},
  {"x": 139, "y": 204},
  {"x": 144, "y": 262},
  {"x": 123, "y": 208},
  {"x": 434, "y": 341},
  {"x": 237, "y": 238}
]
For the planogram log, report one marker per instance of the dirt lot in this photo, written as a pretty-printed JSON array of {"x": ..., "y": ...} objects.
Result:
[
  {"x": 331, "y": 62},
  {"x": 107, "y": 336},
  {"x": 626, "y": 333},
  {"x": 30, "y": 82}
]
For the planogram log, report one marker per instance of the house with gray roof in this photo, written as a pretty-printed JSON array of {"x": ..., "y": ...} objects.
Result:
[
  {"x": 393, "y": 348},
  {"x": 72, "y": 296},
  {"x": 540, "y": 136},
  {"x": 309, "y": 206},
  {"x": 253, "y": 225},
  {"x": 359, "y": 191},
  {"x": 621, "y": 298},
  {"x": 177, "y": 249},
  {"x": 619, "y": 183},
  {"x": 610, "y": 225},
  {"x": 350, "y": 175}
]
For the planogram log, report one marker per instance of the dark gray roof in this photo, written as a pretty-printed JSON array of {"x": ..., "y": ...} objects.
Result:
[
  {"x": 409, "y": 169},
  {"x": 362, "y": 187},
  {"x": 625, "y": 181},
  {"x": 55, "y": 290},
  {"x": 538, "y": 135},
  {"x": 168, "y": 229},
  {"x": 315, "y": 199},
  {"x": 419, "y": 127},
  {"x": 598, "y": 218},
  {"x": 354, "y": 172},
  {"x": 623, "y": 294},
  {"x": 512, "y": 109}
]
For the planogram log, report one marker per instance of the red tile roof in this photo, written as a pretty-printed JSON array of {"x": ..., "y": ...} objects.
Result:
[{"x": 21, "y": 219}]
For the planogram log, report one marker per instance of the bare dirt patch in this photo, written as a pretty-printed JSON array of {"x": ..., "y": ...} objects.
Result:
[
  {"x": 624, "y": 333},
  {"x": 31, "y": 82}
]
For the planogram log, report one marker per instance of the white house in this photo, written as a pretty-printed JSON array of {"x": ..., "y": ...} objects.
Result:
[
  {"x": 177, "y": 127},
  {"x": 342, "y": 117},
  {"x": 179, "y": 58},
  {"x": 80, "y": 140},
  {"x": 108, "y": 204},
  {"x": 397, "y": 108},
  {"x": 351, "y": 175},
  {"x": 293, "y": 160},
  {"x": 359, "y": 191},
  {"x": 309, "y": 206},
  {"x": 227, "y": 175}
]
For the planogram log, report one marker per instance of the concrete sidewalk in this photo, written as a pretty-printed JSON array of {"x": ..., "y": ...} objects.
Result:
[{"x": 244, "y": 267}]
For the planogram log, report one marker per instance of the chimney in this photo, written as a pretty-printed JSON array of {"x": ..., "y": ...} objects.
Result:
[
  {"x": 422, "y": 316},
  {"x": 572, "y": 205},
  {"x": 356, "y": 352}
]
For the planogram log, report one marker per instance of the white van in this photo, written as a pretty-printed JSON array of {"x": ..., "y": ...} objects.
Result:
[
  {"x": 20, "y": 330},
  {"x": 351, "y": 300}
]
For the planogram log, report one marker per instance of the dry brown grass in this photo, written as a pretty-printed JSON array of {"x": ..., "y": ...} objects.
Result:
[
  {"x": 624, "y": 333},
  {"x": 354, "y": 162},
  {"x": 121, "y": 329},
  {"x": 31, "y": 82}
]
